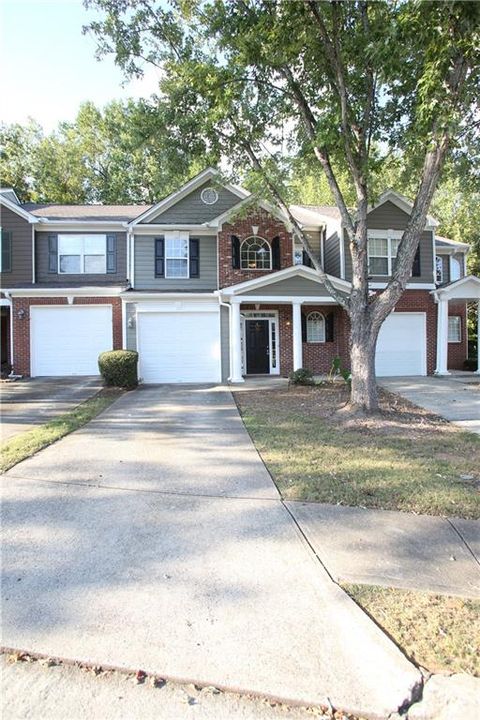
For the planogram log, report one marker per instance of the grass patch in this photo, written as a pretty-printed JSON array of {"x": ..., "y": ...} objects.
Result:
[
  {"x": 28, "y": 443},
  {"x": 440, "y": 633},
  {"x": 401, "y": 459}
]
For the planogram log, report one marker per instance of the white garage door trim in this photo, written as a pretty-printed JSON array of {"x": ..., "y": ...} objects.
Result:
[
  {"x": 104, "y": 342},
  {"x": 422, "y": 366},
  {"x": 177, "y": 311}
]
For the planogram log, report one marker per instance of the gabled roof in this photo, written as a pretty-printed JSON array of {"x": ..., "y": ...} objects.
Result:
[
  {"x": 293, "y": 271},
  {"x": 315, "y": 214},
  {"x": 190, "y": 186},
  {"x": 402, "y": 202},
  {"x": 14, "y": 207},
  {"x": 467, "y": 288},
  {"x": 113, "y": 213},
  {"x": 250, "y": 199},
  {"x": 447, "y": 243},
  {"x": 10, "y": 194}
]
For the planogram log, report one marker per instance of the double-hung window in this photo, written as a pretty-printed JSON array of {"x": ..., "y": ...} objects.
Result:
[
  {"x": 176, "y": 256},
  {"x": 82, "y": 254},
  {"x": 454, "y": 329},
  {"x": 382, "y": 253}
]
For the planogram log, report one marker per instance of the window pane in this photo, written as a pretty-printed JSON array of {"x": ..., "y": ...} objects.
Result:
[
  {"x": 394, "y": 243},
  {"x": 94, "y": 244},
  {"x": 456, "y": 271},
  {"x": 298, "y": 257},
  {"x": 378, "y": 246},
  {"x": 315, "y": 328},
  {"x": 70, "y": 244},
  {"x": 454, "y": 328},
  {"x": 94, "y": 264},
  {"x": 70, "y": 264},
  {"x": 378, "y": 266},
  {"x": 176, "y": 248},
  {"x": 177, "y": 268}
]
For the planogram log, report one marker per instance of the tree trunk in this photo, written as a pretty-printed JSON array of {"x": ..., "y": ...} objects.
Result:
[{"x": 363, "y": 342}]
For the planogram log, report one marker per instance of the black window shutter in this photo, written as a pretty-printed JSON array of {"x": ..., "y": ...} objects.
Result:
[
  {"x": 52, "y": 254},
  {"x": 194, "y": 258},
  {"x": 306, "y": 259},
  {"x": 6, "y": 251},
  {"x": 304, "y": 327},
  {"x": 159, "y": 257},
  {"x": 416, "y": 270},
  {"x": 276, "y": 253},
  {"x": 330, "y": 327},
  {"x": 235, "y": 252},
  {"x": 111, "y": 253}
]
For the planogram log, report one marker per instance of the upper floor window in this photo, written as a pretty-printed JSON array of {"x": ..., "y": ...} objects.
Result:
[
  {"x": 82, "y": 254},
  {"x": 439, "y": 269},
  {"x": 382, "y": 252},
  {"x": 176, "y": 256},
  {"x": 455, "y": 269},
  {"x": 5, "y": 251},
  {"x": 315, "y": 327},
  {"x": 255, "y": 254}
]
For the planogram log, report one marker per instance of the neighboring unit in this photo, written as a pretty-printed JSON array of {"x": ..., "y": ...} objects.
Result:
[{"x": 209, "y": 285}]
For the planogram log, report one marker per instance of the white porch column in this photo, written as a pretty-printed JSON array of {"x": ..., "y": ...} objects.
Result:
[
  {"x": 297, "y": 335},
  {"x": 442, "y": 338},
  {"x": 235, "y": 344},
  {"x": 477, "y": 371}
]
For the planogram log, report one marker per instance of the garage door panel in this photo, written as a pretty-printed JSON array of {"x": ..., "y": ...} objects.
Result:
[
  {"x": 67, "y": 340},
  {"x": 401, "y": 346},
  {"x": 179, "y": 347}
]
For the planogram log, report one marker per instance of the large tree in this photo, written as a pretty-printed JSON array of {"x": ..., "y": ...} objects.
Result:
[{"x": 343, "y": 83}]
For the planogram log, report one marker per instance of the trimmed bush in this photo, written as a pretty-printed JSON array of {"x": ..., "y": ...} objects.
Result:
[
  {"x": 302, "y": 377},
  {"x": 119, "y": 368}
]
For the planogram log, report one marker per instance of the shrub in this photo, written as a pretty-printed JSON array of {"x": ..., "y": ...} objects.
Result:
[
  {"x": 119, "y": 368},
  {"x": 302, "y": 377},
  {"x": 470, "y": 364}
]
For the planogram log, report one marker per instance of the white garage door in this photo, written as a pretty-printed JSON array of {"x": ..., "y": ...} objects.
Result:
[
  {"x": 179, "y": 347},
  {"x": 67, "y": 340},
  {"x": 401, "y": 346}
]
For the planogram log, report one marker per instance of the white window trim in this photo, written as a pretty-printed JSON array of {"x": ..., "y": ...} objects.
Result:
[
  {"x": 177, "y": 236},
  {"x": 459, "y": 329},
  {"x": 387, "y": 235},
  {"x": 256, "y": 237},
  {"x": 316, "y": 342},
  {"x": 82, "y": 253},
  {"x": 452, "y": 261}
]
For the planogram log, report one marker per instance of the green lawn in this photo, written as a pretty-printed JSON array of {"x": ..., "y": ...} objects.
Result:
[
  {"x": 438, "y": 632},
  {"x": 403, "y": 459},
  {"x": 28, "y": 443}
]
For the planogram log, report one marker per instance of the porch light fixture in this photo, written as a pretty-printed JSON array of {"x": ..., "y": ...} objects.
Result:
[
  {"x": 131, "y": 322},
  {"x": 21, "y": 314}
]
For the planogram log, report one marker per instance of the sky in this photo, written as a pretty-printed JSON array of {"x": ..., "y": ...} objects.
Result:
[{"x": 48, "y": 67}]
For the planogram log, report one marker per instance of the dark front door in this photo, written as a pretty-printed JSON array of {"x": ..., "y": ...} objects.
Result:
[{"x": 257, "y": 347}]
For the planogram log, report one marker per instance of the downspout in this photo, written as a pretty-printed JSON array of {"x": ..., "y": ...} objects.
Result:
[
  {"x": 33, "y": 256},
  {"x": 227, "y": 305}
]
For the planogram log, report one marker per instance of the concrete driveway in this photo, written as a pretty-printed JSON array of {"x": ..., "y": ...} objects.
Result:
[
  {"x": 26, "y": 403},
  {"x": 154, "y": 538},
  {"x": 454, "y": 397}
]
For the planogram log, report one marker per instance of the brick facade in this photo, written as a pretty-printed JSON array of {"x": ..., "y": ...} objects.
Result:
[
  {"x": 318, "y": 356},
  {"x": 21, "y": 325},
  {"x": 268, "y": 228}
]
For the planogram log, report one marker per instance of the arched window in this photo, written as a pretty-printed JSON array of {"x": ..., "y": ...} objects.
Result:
[
  {"x": 455, "y": 269},
  {"x": 255, "y": 254},
  {"x": 439, "y": 269},
  {"x": 315, "y": 328}
]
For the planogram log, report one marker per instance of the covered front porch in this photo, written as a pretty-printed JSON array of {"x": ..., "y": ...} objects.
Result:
[
  {"x": 466, "y": 290},
  {"x": 283, "y": 322}
]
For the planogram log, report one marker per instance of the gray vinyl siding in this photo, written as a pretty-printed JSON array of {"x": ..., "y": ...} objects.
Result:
[
  {"x": 145, "y": 267},
  {"x": 131, "y": 340},
  {"x": 21, "y": 230},
  {"x": 295, "y": 286},
  {"x": 389, "y": 217},
  {"x": 332, "y": 255},
  {"x": 43, "y": 276},
  {"x": 192, "y": 210},
  {"x": 225, "y": 342}
]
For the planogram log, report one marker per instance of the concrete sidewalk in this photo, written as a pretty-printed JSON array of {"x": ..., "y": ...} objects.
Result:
[
  {"x": 380, "y": 547},
  {"x": 153, "y": 538}
]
